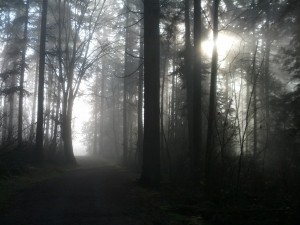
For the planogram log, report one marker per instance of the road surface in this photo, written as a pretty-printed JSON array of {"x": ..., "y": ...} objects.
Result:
[{"x": 95, "y": 193}]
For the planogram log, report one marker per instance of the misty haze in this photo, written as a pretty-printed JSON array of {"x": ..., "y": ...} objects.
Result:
[{"x": 149, "y": 112}]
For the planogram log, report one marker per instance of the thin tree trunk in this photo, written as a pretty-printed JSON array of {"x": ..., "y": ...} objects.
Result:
[
  {"x": 210, "y": 146},
  {"x": 1, "y": 116},
  {"x": 23, "y": 61},
  {"x": 48, "y": 107},
  {"x": 52, "y": 117},
  {"x": 11, "y": 115},
  {"x": 250, "y": 77},
  {"x": 96, "y": 140},
  {"x": 40, "y": 117},
  {"x": 125, "y": 93},
  {"x": 173, "y": 104},
  {"x": 60, "y": 97},
  {"x": 267, "y": 82},
  {"x": 102, "y": 98},
  {"x": 6, "y": 98},
  {"x": 140, "y": 99},
  {"x": 58, "y": 100},
  {"x": 130, "y": 143},
  {"x": 254, "y": 116},
  {"x": 197, "y": 89},
  {"x": 254, "y": 80},
  {"x": 243, "y": 136},
  {"x": 5, "y": 117},
  {"x": 190, "y": 88},
  {"x": 116, "y": 139},
  {"x": 162, "y": 102}
]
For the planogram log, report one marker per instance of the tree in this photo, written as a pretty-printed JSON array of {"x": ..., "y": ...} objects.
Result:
[
  {"x": 77, "y": 50},
  {"x": 197, "y": 89},
  {"x": 190, "y": 83},
  {"x": 12, "y": 65},
  {"x": 125, "y": 86},
  {"x": 40, "y": 109},
  {"x": 151, "y": 145},
  {"x": 21, "y": 97},
  {"x": 140, "y": 98},
  {"x": 211, "y": 143}
]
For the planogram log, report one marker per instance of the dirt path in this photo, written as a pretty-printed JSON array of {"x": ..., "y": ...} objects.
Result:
[{"x": 95, "y": 193}]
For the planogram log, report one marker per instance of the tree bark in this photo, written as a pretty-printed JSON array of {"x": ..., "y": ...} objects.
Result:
[
  {"x": 102, "y": 98},
  {"x": 48, "y": 108},
  {"x": 96, "y": 140},
  {"x": 23, "y": 61},
  {"x": 151, "y": 152},
  {"x": 197, "y": 89},
  {"x": 11, "y": 116},
  {"x": 39, "y": 153},
  {"x": 67, "y": 130},
  {"x": 190, "y": 88},
  {"x": 115, "y": 118},
  {"x": 125, "y": 93},
  {"x": 267, "y": 81},
  {"x": 162, "y": 100},
  {"x": 57, "y": 108},
  {"x": 140, "y": 99},
  {"x": 210, "y": 145}
]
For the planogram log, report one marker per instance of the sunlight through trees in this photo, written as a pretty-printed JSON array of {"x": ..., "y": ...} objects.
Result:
[{"x": 201, "y": 92}]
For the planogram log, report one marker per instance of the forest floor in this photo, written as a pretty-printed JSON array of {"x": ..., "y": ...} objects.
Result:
[{"x": 95, "y": 192}]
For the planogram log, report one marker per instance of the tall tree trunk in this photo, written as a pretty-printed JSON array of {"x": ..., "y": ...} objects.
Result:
[
  {"x": 190, "y": 88},
  {"x": 175, "y": 110},
  {"x": 2, "y": 104},
  {"x": 130, "y": 141},
  {"x": 52, "y": 117},
  {"x": 116, "y": 136},
  {"x": 125, "y": 92},
  {"x": 173, "y": 106},
  {"x": 140, "y": 98},
  {"x": 151, "y": 152},
  {"x": 254, "y": 113},
  {"x": 4, "y": 118},
  {"x": 197, "y": 89},
  {"x": 96, "y": 140},
  {"x": 57, "y": 108},
  {"x": 20, "y": 116},
  {"x": 6, "y": 98},
  {"x": 125, "y": 122},
  {"x": 267, "y": 81},
  {"x": 33, "y": 113},
  {"x": 61, "y": 97},
  {"x": 67, "y": 129},
  {"x": 162, "y": 100},
  {"x": 1, "y": 116},
  {"x": 210, "y": 145},
  {"x": 11, "y": 116},
  {"x": 102, "y": 110},
  {"x": 254, "y": 80},
  {"x": 48, "y": 107},
  {"x": 250, "y": 78},
  {"x": 39, "y": 153}
]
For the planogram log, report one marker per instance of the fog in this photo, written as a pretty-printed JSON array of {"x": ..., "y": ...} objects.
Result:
[{"x": 202, "y": 96}]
